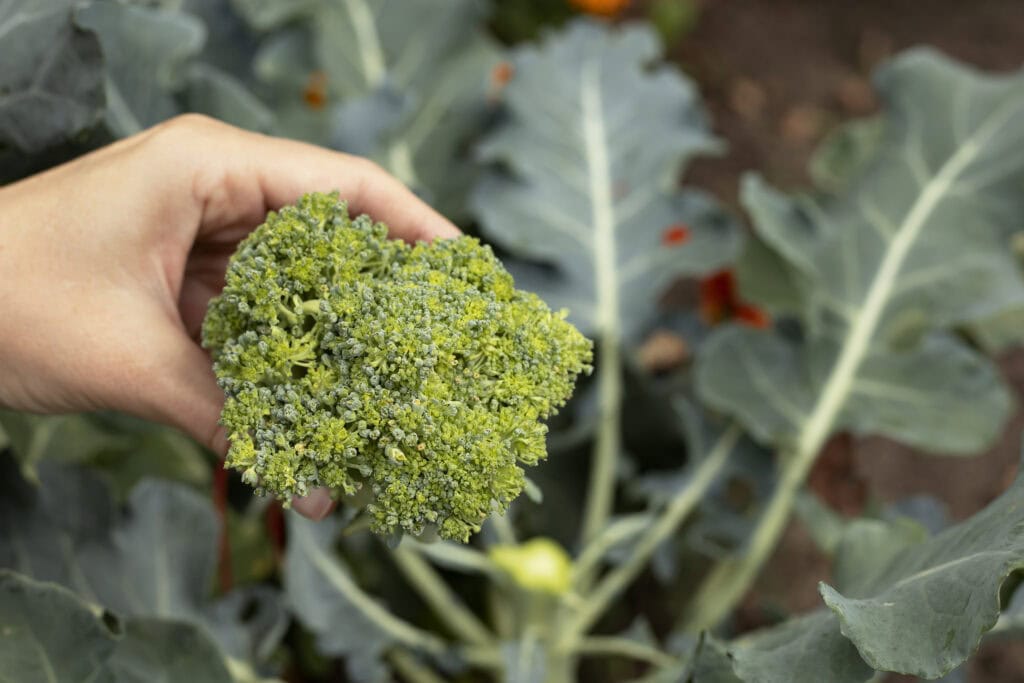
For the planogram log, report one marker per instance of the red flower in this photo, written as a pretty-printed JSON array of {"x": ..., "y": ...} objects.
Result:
[
  {"x": 675, "y": 235},
  {"x": 719, "y": 302}
]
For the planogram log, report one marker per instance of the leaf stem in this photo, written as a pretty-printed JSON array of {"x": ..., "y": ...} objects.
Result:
[
  {"x": 624, "y": 647},
  {"x": 503, "y": 528},
  {"x": 723, "y": 588},
  {"x": 436, "y": 593},
  {"x": 612, "y": 535},
  {"x": 396, "y": 628},
  {"x": 601, "y": 489},
  {"x": 664, "y": 526},
  {"x": 411, "y": 669}
]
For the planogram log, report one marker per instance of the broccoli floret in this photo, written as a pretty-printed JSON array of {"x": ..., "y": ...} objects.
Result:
[{"x": 414, "y": 375}]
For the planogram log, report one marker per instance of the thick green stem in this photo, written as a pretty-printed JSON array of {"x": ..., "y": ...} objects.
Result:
[
  {"x": 725, "y": 586},
  {"x": 664, "y": 526},
  {"x": 446, "y": 604},
  {"x": 601, "y": 490}
]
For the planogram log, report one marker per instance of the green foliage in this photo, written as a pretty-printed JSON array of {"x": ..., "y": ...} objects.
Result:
[
  {"x": 403, "y": 83},
  {"x": 151, "y": 567},
  {"x": 903, "y": 602},
  {"x": 886, "y": 284},
  {"x": 880, "y": 274},
  {"x": 592, "y": 185},
  {"x": 51, "y": 65},
  {"x": 416, "y": 374}
]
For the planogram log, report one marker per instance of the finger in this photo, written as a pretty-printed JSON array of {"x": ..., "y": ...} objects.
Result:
[
  {"x": 177, "y": 387},
  {"x": 367, "y": 187},
  {"x": 242, "y": 175},
  {"x": 316, "y": 505}
]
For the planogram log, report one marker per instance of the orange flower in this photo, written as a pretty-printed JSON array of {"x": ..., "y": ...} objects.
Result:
[
  {"x": 719, "y": 302},
  {"x": 315, "y": 93},
  {"x": 604, "y": 8},
  {"x": 501, "y": 74}
]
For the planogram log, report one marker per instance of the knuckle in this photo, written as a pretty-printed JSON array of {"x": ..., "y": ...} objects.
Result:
[{"x": 183, "y": 129}]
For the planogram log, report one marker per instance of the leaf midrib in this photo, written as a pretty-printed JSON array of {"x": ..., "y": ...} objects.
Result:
[{"x": 865, "y": 320}]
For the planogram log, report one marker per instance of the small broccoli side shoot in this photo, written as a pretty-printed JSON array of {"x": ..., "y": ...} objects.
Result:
[{"x": 417, "y": 376}]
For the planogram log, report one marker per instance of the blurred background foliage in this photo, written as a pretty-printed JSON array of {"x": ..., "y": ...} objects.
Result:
[{"x": 418, "y": 89}]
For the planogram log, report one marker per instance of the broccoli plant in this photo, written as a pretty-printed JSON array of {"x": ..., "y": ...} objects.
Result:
[
  {"x": 416, "y": 375},
  {"x": 416, "y": 382}
]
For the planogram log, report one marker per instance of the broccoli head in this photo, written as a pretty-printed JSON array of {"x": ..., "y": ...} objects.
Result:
[{"x": 413, "y": 377}]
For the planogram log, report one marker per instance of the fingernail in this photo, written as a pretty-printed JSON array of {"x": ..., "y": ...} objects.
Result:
[{"x": 316, "y": 505}]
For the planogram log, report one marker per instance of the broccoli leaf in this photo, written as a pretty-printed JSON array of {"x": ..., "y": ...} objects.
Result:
[
  {"x": 127, "y": 449},
  {"x": 325, "y": 598},
  {"x": 402, "y": 83},
  {"x": 213, "y": 92},
  {"x": 48, "y": 634},
  {"x": 914, "y": 245},
  {"x": 155, "y": 650},
  {"x": 51, "y": 86},
  {"x": 906, "y": 604},
  {"x": 591, "y": 190},
  {"x": 156, "y": 562},
  {"x": 145, "y": 50}
]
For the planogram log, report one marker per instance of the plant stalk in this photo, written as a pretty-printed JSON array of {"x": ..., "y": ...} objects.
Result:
[
  {"x": 446, "y": 604},
  {"x": 608, "y": 444},
  {"x": 598, "y": 600},
  {"x": 411, "y": 669},
  {"x": 623, "y": 647}
]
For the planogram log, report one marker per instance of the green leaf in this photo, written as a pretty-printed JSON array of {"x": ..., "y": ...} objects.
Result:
[
  {"x": 807, "y": 649},
  {"x": 165, "y": 651},
  {"x": 145, "y": 50},
  {"x": 268, "y": 14},
  {"x": 165, "y": 551},
  {"x": 914, "y": 244},
  {"x": 47, "y": 634},
  {"x": 940, "y": 396},
  {"x": 846, "y": 152},
  {"x": 403, "y": 84},
  {"x": 435, "y": 55},
  {"x": 156, "y": 561},
  {"x": 218, "y": 94},
  {"x": 592, "y": 185},
  {"x": 125, "y": 448},
  {"x": 326, "y": 599},
  {"x": 907, "y": 604},
  {"x": 925, "y": 612},
  {"x": 51, "y": 86}
]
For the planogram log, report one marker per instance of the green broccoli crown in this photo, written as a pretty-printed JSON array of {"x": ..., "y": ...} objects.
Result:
[{"x": 415, "y": 374}]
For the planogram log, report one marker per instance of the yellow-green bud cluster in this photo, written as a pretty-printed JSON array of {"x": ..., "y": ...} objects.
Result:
[{"x": 414, "y": 374}]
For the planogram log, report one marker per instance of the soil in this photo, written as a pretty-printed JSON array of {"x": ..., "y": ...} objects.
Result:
[{"x": 777, "y": 76}]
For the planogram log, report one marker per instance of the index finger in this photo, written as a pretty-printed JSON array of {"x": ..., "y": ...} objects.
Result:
[{"x": 243, "y": 175}]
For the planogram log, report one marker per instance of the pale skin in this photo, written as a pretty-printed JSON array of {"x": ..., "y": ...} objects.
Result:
[{"x": 107, "y": 264}]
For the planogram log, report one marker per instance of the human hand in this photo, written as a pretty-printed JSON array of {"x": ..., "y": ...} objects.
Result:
[{"x": 108, "y": 263}]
